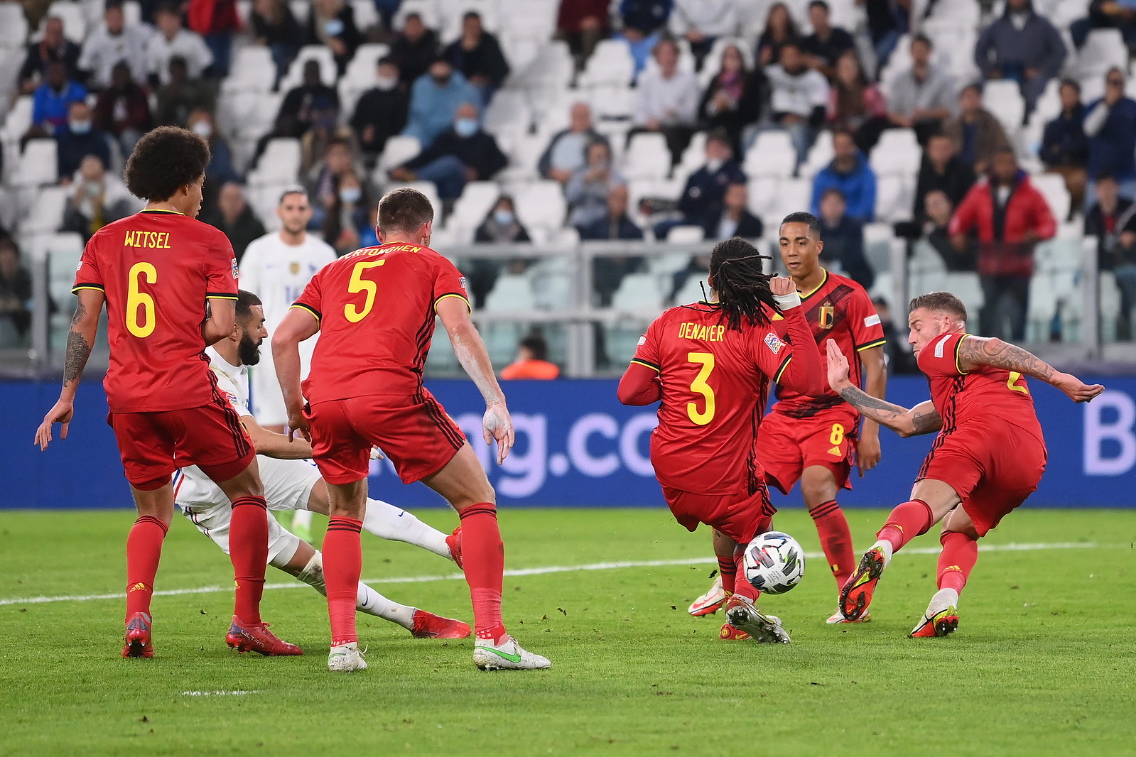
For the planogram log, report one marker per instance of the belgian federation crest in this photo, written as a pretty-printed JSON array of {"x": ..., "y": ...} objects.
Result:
[{"x": 826, "y": 315}]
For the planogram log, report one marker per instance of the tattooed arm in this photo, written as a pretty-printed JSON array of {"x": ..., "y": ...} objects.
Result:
[
  {"x": 84, "y": 326},
  {"x": 975, "y": 352},
  {"x": 921, "y": 419}
]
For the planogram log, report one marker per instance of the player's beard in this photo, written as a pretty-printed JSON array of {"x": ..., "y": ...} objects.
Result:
[{"x": 248, "y": 351}]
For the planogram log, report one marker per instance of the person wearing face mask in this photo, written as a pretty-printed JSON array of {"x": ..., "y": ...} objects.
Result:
[
  {"x": 220, "y": 169},
  {"x": 348, "y": 215},
  {"x": 78, "y": 140},
  {"x": 434, "y": 99},
  {"x": 99, "y": 198},
  {"x": 332, "y": 23},
  {"x": 706, "y": 187},
  {"x": 381, "y": 111},
  {"x": 499, "y": 227},
  {"x": 462, "y": 153}
]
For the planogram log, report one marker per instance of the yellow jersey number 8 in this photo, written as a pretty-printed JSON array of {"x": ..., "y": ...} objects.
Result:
[
  {"x": 141, "y": 324},
  {"x": 351, "y": 311},
  {"x": 699, "y": 386}
]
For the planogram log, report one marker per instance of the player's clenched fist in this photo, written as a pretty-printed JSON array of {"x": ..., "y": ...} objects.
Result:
[
  {"x": 781, "y": 286},
  {"x": 498, "y": 424}
]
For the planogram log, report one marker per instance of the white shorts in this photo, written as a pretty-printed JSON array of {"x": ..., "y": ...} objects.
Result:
[{"x": 287, "y": 486}]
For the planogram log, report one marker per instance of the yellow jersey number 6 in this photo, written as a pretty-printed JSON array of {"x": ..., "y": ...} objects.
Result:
[
  {"x": 140, "y": 326},
  {"x": 699, "y": 386},
  {"x": 352, "y": 311}
]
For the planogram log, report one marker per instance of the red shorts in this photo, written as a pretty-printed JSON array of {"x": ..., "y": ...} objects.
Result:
[
  {"x": 154, "y": 445},
  {"x": 739, "y": 516},
  {"x": 786, "y": 446},
  {"x": 992, "y": 467},
  {"x": 414, "y": 432}
]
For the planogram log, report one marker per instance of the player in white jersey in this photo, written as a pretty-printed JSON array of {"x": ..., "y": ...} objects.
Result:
[{"x": 292, "y": 482}]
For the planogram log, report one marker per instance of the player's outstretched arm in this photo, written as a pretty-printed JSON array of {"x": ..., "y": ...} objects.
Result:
[
  {"x": 474, "y": 359},
  {"x": 298, "y": 324},
  {"x": 976, "y": 351},
  {"x": 921, "y": 419},
  {"x": 84, "y": 327},
  {"x": 805, "y": 370},
  {"x": 219, "y": 322},
  {"x": 272, "y": 444}
]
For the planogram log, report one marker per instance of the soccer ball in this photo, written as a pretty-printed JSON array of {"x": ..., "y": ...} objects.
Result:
[{"x": 774, "y": 562}]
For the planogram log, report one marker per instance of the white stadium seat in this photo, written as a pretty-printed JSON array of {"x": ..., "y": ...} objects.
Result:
[
  {"x": 647, "y": 157},
  {"x": 13, "y": 26},
  {"x": 37, "y": 165},
  {"x": 686, "y": 234},
  {"x": 541, "y": 203},
  {"x": 295, "y": 76},
  {"x": 897, "y": 152},
  {"x": 638, "y": 291},
  {"x": 280, "y": 163},
  {"x": 611, "y": 63},
  {"x": 511, "y": 292},
  {"x": 1003, "y": 98},
  {"x": 772, "y": 154}
]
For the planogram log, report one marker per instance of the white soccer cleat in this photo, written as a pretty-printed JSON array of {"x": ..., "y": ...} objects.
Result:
[
  {"x": 838, "y": 617},
  {"x": 764, "y": 629},
  {"x": 508, "y": 655},
  {"x": 941, "y": 618},
  {"x": 346, "y": 658},
  {"x": 709, "y": 602}
]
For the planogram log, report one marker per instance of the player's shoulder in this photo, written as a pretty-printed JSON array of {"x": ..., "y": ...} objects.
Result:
[{"x": 854, "y": 290}]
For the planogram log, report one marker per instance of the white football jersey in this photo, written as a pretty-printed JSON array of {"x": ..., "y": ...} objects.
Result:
[{"x": 278, "y": 272}]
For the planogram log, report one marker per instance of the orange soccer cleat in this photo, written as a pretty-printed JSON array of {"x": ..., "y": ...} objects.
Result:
[
  {"x": 857, "y": 593},
  {"x": 427, "y": 625},
  {"x": 729, "y": 633},
  {"x": 941, "y": 618},
  {"x": 245, "y": 637},
  {"x": 137, "y": 641},
  {"x": 711, "y": 601}
]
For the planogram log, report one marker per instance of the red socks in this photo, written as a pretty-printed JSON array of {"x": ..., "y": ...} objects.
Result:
[
  {"x": 483, "y": 556},
  {"x": 728, "y": 570},
  {"x": 835, "y": 539},
  {"x": 143, "y": 551},
  {"x": 906, "y": 522},
  {"x": 960, "y": 553},
  {"x": 248, "y": 551},
  {"x": 342, "y": 567},
  {"x": 742, "y": 586}
]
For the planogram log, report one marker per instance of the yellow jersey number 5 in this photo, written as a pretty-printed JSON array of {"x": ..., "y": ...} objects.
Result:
[{"x": 351, "y": 311}]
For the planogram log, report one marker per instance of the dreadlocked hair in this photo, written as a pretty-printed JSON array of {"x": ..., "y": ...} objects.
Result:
[{"x": 743, "y": 288}]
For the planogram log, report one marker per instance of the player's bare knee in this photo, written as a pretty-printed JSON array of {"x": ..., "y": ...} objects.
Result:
[{"x": 817, "y": 486}]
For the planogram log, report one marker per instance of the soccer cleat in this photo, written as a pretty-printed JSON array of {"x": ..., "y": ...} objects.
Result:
[
  {"x": 836, "y": 617},
  {"x": 245, "y": 637},
  {"x": 346, "y": 658},
  {"x": 764, "y": 629},
  {"x": 941, "y": 617},
  {"x": 427, "y": 625},
  {"x": 454, "y": 542},
  {"x": 508, "y": 655},
  {"x": 709, "y": 602},
  {"x": 729, "y": 633},
  {"x": 857, "y": 593},
  {"x": 137, "y": 641}
]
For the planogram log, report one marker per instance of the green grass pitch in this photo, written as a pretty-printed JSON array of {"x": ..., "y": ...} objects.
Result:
[{"x": 1042, "y": 662}]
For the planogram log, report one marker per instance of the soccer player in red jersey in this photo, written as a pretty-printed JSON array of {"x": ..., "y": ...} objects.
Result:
[
  {"x": 169, "y": 283},
  {"x": 374, "y": 310},
  {"x": 711, "y": 363},
  {"x": 988, "y": 457}
]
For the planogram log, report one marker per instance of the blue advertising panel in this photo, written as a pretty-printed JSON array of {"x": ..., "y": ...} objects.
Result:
[{"x": 578, "y": 447}]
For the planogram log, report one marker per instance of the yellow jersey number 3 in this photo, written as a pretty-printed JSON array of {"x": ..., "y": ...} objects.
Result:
[{"x": 699, "y": 386}]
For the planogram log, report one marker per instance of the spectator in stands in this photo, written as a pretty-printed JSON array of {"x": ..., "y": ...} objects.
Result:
[
  {"x": 731, "y": 217},
  {"x": 500, "y": 226},
  {"x": 666, "y": 100},
  {"x": 1064, "y": 145},
  {"x": 941, "y": 170},
  {"x": 850, "y": 173},
  {"x": 1124, "y": 269},
  {"x": 827, "y": 43},
  {"x": 644, "y": 25},
  {"x": 99, "y": 198},
  {"x": 1009, "y": 217},
  {"x": 15, "y": 294},
  {"x": 582, "y": 23},
  {"x": 434, "y": 99},
  {"x": 1106, "y": 14},
  {"x": 565, "y": 153},
  {"x": 52, "y": 100},
  {"x": 52, "y": 48},
  {"x": 590, "y": 185},
  {"x": 176, "y": 100},
  {"x": 922, "y": 97},
  {"x": 779, "y": 29},
  {"x": 532, "y": 361},
  {"x": 460, "y": 154},
  {"x": 338, "y": 161},
  {"x": 414, "y": 49},
  {"x": 112, "y": 43},
  {"x": 477, "y": 54},
  {"x": 174, "y": 41},
  {"x": 937, "y": 212},
  {"x": 706, "y": 187},
  {"x": 381, "y": 111},
  {"x": 1023, "y": 46},
  {"x": 855, "y": 104},
  {"x": 78, "y": 139},
  {"x": 701, "y": 22},
  {"x": 274, "y": 26},
  {"x": 220, "y": 169},
  {"x": 348, "y": 215},
  {"x": 123, "y": 109},
  {"x": 798, "y": 97},
  {"x": 843, "y": 236},
  {"x": 309, "y": 106},
  {"x": 608, "y": 272},
  {"x": 900, "y": 359},
  {"x": 888, "y": 21},
  {"x": 217, "y": 22},
  {"x": 1110, "y": 124},
  {"x": 235, "y": 217},
  {"x": 975, "y": 132},
  {"x": 1109, "y": 216},
  {"x": 332, "y": 23},
  {"x": 734, "y": 98}
]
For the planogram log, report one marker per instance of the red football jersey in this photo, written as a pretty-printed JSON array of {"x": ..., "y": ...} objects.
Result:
[
  {"x": 978, "y": 397},
  {"x": 376, "y": 311},
  {"x": 715, "y": 383},
  {"x": 157, "y": 268},
  {"x": 838, "y": 309}
]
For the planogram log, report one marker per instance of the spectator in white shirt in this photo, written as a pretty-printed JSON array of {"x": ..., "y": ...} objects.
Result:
[
  {"x": 112, "y": 42},
  {"x": 923, "y": 96},
  {"x": 172, "y": 40},
  {"x": 798, "y": 97},
  {"x": 703, "y": 21},
  {"x": 667, "y": 100}
]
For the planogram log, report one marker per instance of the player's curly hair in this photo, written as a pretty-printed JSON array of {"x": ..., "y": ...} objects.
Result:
[
  {"x": 165, "y": 160},
  {"x": 743, "y": 288}
]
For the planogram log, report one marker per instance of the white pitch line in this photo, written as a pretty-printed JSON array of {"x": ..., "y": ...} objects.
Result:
[
  {"x": 217, "y": 693},
  {"x": 1012, "y": 547}
]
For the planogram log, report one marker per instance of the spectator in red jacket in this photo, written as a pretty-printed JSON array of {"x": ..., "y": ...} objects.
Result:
[
  {"x": 123, "y": 109},
  {"x": 582, "y": 23},
  {"x": 216, "y": 21},
  {"x": 1008, "y": 217}
]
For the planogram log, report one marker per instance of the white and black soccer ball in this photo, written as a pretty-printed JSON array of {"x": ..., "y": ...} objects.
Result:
[{"x": 774, "y": 562}]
